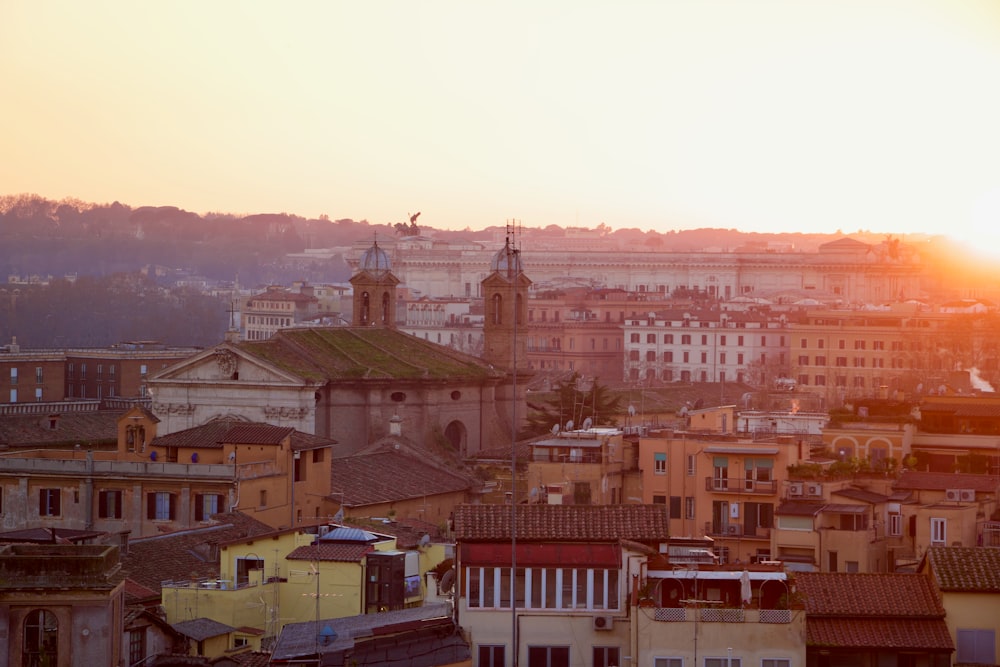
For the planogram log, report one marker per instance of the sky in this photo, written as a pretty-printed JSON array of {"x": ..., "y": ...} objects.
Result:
[{"x": 757, "y": 116}]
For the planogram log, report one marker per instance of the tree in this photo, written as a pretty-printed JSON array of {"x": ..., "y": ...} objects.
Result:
[{"x": 574, "y": 399}]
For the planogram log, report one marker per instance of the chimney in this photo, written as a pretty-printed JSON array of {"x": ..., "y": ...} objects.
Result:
[
  {"x": 395, "y": 425},
  {"x": 13, "y": 348}
]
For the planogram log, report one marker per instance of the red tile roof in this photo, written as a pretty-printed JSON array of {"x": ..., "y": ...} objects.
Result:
[
  {"x": 554, "y": 523},
  {"x": 940, "y": 481},
  {"x": 873, "y": 611},
  {"x": 390, "y": 476},
  {"x": 340, "y": 553},
  {"x": 220, "y": 432},
  {"x": 878, "y": 633},
  {"x": 846, "y": 594},
  {"x": 186, "y": 555},
  {"x": 966, "y": 569}
]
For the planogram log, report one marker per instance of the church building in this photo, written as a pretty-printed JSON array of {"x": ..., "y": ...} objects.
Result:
[{"x": 347, "y": 383}]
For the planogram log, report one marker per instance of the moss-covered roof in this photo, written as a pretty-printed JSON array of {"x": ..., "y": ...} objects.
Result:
[{"x": 354, "y": 353}]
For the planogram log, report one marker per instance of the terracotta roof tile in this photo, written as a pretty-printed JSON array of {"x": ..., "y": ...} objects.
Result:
[
  {"x": 843, "y": 594},
  {"x": 380, "y": 477},
  {"x": 185, "y": 555},
  {"x": 577, "y": 523},
  {"x": 89, "y": 429},
  {"x": 940, "y": 481},
  {"x": 256, "y": 434},
  {"x": 878, "y": 633},
  {"x": 340, "y": 553},
  {"x": 966, "y": 569},
  {"x": 217, "y": 433}
]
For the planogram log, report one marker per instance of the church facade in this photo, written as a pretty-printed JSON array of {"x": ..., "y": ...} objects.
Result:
[{"x": 347, "y": 383}]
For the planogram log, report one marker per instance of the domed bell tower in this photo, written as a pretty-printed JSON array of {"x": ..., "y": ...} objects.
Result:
[
  {"x": 505, "y": 294},
  {"x": 374, "y": 290}
]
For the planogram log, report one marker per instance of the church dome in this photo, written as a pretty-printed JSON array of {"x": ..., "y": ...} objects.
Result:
[
  {"x": 375, "y": 260},
  {"x": 507, "y": 260}
]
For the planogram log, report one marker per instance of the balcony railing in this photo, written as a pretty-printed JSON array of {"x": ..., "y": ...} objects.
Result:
[
  {"x": 741, "y": 485},
  {"x": 736, "y": 530},
  {"x": 721, "y": 615}
]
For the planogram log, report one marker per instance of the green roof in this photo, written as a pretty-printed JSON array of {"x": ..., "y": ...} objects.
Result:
[{"x": 360, "y": 353}]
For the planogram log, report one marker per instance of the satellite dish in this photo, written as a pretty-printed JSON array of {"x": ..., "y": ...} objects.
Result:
[
  {"x": 447, "y": 582},
  {"x": 587, "y": 423},
  {"x": 555, "y": 429},
  {"x": 424, "y": 541},
  {"x": 569, "y": 425}
]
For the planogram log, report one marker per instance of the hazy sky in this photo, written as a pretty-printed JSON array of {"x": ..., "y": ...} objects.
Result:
[{"x": 760, "y": 116}]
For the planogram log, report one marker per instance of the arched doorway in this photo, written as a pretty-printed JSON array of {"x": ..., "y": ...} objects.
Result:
[{"x": 456, "y": 434}]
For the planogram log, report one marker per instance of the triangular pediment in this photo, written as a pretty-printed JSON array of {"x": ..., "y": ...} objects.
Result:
[{"x": 227, "y": 363}]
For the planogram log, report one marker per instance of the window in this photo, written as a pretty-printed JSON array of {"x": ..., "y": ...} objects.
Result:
[
  {"x": 775, "y": 662},
  {"x": 686, "y": 339},
  {"x": 491, "y": 656},
  {"x": 136, "y": 645},
  {"x": 675, "y": 507},
  {"x": 821, "y": 360},
  {"x": 633, "y": 355},
  {"x": 298, "y": 468},
  {"x": 41, "y": 638},
  {"x": 606, "y": 656},
  {"x": 160, "y": 506},
  {"x": 895, "y": 524},
  {"x": 939, "y": 531},
  {"x": 551, "y": 588},
  {"x": 109, "y": 504},
  {"x": 668, "y": 357},
  {"x": 206, "y": 505},
  {"x": 634, "y": 338},
  {"x": 722, "y": 662},
  {"x": 317, "y": 454},
  {"x": 975, "y": 646},
  {"x": 651, "y": 338},
  {"x": 38, "y": 375},
  {"x": 13, "y": 376},
  {"x": 650, "y": 355},
  {"x": 49, "y": 501},
  {"x": 660, "y": 463},
  {"x": 690, "y": 465},
  {"x": 548, "y": 656},
  {"x": 722, "y": 341},
  {"x": 803, "y": 343},
  {"x": 803, "y": 360},
  {"x": 668, "y": 662},
  {"x": 689, "y": 507},
  {"x": 668, "y": 339},
  {"x": 659, "y": 500}
]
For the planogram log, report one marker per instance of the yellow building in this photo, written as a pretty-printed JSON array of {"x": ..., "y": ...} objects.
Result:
[
  {"x": 288, "y": 576},
  {"x": 968, "y": 580},
  {"x": 593, "y": 466}
]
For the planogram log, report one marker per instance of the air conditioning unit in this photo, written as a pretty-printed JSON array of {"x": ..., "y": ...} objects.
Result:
[
  {"x": 952, "y": 494},
  {"x": 795, "y": 489},
  {"x": 814, "y": 490},
  {"x": 603, "y": 622},
  {"x": 733, "y": 530},
  {"x": 967, "y": 495}
]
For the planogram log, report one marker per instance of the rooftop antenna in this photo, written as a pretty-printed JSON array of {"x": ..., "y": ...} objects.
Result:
[{"x": 513, "y": 250}]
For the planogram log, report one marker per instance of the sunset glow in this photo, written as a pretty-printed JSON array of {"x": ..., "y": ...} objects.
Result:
[{"x": 762, "y": 116}]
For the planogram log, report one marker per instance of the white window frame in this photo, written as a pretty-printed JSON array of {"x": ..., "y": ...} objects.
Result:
[
  {"x": 659, "y": 463},
  {"x": 939, "y": 531},
  {"x": 895, "y": 524}
]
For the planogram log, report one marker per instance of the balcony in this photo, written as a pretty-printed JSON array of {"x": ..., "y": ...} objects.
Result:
[
  {"x": 741, "y": 485},
  {"x": 737, "y": 530},
  {"x": 721, "y": 615}
]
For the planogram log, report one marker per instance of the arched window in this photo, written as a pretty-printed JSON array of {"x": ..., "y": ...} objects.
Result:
[
  {"x": 519, "y": 314},
  {"x": 365, "y": 305},
  {"x": 41, "y": 639},
  {"x": 385, "y": 308},
  {"x": 497, "y": 309}
]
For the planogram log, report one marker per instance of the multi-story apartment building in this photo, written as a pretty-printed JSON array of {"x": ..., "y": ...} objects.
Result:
[
  {"x": 455, "y": 323},
  {"x": 277, "y": 308},
  {"x": 900, "y": 350},
  {"x": 43, "y": 375},
  {"x": 721, "y": 486},
  {"x": 706, "y": 346}
]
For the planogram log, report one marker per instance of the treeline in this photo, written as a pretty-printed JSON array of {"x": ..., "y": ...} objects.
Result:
[{"x": 97, "y": 311}]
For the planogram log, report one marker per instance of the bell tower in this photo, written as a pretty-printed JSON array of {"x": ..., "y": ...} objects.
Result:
[
  {"x": 374, "y": 290},
  {"x": 505, "y": 295}
]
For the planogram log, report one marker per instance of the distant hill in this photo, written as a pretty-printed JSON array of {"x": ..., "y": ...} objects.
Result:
[{"x": 45, "y": 237}]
